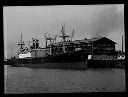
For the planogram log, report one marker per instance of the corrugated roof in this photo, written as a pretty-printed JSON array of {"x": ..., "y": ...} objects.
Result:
[
  {"x": 82, "y": 41},
  {"x": 92, "y": 40}
]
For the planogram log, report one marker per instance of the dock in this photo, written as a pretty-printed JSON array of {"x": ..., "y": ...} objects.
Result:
[{"x": 106, "y": 64}]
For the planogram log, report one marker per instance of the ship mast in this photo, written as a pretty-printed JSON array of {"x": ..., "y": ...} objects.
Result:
[
  {"x": 21, "y": 44},
  {"x": 11, "y": 51},
  {"x": 122, "y": 43},
  {"x": 45, "y": 40},
  {"x": 64, "y": 36}
]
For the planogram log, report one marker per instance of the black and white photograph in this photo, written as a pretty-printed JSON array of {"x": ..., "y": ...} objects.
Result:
[{"x": 64, "y": 49}]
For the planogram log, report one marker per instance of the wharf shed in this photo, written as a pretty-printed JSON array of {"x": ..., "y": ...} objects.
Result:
[{"x": 94, "y": 46}]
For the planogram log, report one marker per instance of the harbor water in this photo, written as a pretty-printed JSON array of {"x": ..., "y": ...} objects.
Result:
[{"x": 20, "y": 80}]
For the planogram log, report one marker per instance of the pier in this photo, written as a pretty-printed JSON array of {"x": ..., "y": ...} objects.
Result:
[{"x": 106, "y": 64}]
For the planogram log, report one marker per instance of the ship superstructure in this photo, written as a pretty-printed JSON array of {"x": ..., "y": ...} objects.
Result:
[
  {"x": 34, "y": 51},
  {"x": 24, "y": 51}
]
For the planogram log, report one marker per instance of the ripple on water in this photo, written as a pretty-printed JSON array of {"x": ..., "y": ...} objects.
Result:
[{"x": 41, "y": 80}]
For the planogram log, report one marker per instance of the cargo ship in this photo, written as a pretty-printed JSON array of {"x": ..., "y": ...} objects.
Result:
[
  {"x": 55, "y": 55},
  {"x": 98, "y": 52}
]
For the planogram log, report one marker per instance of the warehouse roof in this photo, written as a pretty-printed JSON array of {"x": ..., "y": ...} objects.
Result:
[
  {"x": 92, "y": 40},
  {"x": 83, "y": 41}
]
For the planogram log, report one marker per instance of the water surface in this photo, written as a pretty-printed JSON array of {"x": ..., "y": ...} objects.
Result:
[{"x": 20, "y": 80}]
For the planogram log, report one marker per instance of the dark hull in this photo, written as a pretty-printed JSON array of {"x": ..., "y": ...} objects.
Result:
[
  {"x": 77, "y": 65},
  {"x": 74, "y": 60}
]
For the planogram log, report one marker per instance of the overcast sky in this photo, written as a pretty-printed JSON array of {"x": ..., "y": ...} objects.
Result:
[{"x": 87, "y": 21}]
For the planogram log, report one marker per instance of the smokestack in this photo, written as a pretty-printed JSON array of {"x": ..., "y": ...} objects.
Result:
[{"x": 122, "y": 43}]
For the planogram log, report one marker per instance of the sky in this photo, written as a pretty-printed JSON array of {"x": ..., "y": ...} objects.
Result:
[{"x": 88, "y": 21}]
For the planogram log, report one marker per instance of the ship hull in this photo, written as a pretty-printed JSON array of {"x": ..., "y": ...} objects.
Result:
[
  {"x": 77, "y": 65},
  {"x": 74, "y": 60}
]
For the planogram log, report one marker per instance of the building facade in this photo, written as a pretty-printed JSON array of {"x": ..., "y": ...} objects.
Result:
[{"x": 94, "y": 46}]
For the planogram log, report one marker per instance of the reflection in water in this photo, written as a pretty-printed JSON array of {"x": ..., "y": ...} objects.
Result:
[{"x": 42, "y": 80}]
